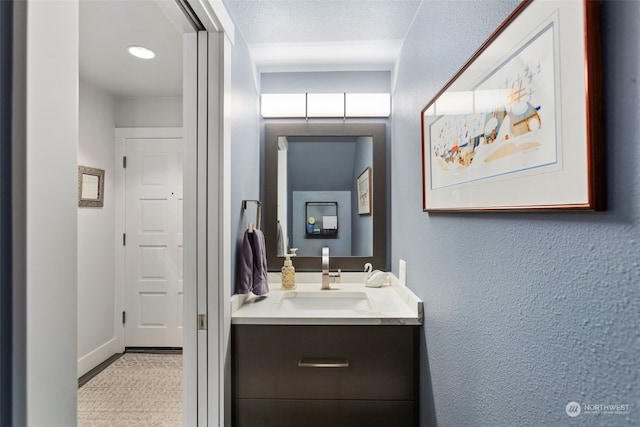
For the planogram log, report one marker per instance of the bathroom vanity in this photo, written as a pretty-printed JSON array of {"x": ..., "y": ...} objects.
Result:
[{"x": 343, "y": 357}]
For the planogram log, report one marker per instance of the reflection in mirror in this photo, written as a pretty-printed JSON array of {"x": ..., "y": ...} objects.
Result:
[
  {"x": 311, "y": 194},
  {"x": 319, "y": 191}
]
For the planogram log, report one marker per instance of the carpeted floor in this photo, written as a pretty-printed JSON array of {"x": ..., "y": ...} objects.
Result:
[{"x": 137, "y": 390}]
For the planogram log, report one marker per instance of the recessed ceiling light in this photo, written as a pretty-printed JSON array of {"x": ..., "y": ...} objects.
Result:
[{"x": 141, "y": 52}]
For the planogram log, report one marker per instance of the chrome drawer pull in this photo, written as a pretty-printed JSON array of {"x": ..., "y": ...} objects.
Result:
[{"x": 323, "y": 363}]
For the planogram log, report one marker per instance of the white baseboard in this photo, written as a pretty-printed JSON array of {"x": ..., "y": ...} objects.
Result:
[{"x": 97, "y": 356}]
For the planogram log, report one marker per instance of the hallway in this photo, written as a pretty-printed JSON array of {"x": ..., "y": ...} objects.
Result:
[{"x": 138, "y": 389}]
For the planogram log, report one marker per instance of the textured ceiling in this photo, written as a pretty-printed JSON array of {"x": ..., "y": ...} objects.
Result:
[
  {"x": 283, "y": 35},
  {"x": 288, "y": 21},
  {"x": 321, "y": 35}
]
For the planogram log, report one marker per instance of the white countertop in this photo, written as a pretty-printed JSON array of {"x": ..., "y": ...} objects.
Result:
[{"x": 391, "y": 304}]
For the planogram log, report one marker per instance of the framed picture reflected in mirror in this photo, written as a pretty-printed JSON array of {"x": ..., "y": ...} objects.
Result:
[{"x": 364, "y": 192}]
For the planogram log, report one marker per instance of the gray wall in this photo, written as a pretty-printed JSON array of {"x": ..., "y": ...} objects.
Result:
[
  {"x": 524, "y": 312},
  {"x": 245, "y": 146},
  {"x": 6, "y": 209},
  {"x": 362, "y": 225},
  {"x": 320, "y": 166},
  {"x": 326, "y": 82}
]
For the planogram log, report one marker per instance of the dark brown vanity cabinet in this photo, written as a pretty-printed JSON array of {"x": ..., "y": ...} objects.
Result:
[{"x": 325, "y": 375}]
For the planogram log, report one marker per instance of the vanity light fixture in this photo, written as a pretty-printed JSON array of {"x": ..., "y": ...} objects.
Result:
[
  {"x": 283, "y": 105},
  {"x": 368, "y": 104},
  {"x": 141, "y": 52},
  {"x": 323, "y": 105}
]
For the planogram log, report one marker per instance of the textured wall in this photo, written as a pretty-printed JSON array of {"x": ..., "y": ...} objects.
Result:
[
  {"x": 245, "y": 146},
  {"x": 524, "y": 312}
]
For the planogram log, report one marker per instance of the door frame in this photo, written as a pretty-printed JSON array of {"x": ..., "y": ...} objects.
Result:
[
  {"x": 58, "y": 393},
  {"x": 207, "y": 213},
  {"x": 207, "y": 238},
  {"x": 207, "y": 217}
]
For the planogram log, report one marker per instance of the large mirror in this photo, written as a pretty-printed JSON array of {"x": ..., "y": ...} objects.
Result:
[{"x": 325, "y": 185}]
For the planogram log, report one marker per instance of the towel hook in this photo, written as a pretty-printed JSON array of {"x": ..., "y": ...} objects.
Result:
[{"x": 258, "y": 210}]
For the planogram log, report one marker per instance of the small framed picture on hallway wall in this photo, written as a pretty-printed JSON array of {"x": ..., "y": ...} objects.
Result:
[{"x": 90, "y": 187}]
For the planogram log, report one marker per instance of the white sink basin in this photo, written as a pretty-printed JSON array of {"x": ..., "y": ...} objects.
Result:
[{"x": 325, "y": 300}]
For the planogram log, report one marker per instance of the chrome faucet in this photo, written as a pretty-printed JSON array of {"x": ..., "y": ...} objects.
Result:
[{"x": 326, "y": 275}]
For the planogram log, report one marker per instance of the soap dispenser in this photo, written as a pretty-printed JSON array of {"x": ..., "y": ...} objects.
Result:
[{"x": 288, "y": 272}]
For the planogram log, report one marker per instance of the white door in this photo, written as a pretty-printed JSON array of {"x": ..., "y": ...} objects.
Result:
[{"x": 153, "y": 260}]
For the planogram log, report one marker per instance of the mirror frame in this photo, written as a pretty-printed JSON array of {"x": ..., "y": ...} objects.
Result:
[{"x": 377, "y": 131}]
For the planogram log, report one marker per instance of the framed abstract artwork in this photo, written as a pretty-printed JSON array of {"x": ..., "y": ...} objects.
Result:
[{"x": 520, "y": 125}]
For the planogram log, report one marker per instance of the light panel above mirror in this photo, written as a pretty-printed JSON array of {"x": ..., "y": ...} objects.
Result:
[
  {"x": 325, "y": 105},
  {"x": 283, "y": 105},
  {"x": 367, "y": 104}
]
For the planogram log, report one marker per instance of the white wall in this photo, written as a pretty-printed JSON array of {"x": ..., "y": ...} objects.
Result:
[
  {"x": 52, "y": 140},
  {"x": 100, "y": 113},
  {"x": 96, "y": 230},
  {"x": 148, "y": 112}
]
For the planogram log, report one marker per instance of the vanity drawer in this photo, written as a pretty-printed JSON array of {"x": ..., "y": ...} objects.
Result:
[
  {"x": 291, "y": 362},
  {"x": 323, "y": 413}
]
